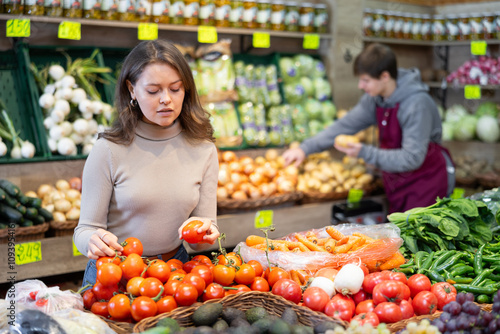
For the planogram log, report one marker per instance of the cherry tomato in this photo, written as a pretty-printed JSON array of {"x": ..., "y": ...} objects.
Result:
[
  {"x": 257, "y": 267},
  {"x": 341, "y": 307},
  {"x": 100, "y": 308},
  {"x": 143, "y": 307},
  {"x": 204, "y": 272},
  {"x": 275, "y": 274},
  {"x": 223, "y": 275},
  {"x": 203, "y": 259},
  {"x": 445, "y": 293},
  {"x": 166, "y": 304},
  {"x": 174, "y": 264},
  {"x": 119, "y": 306},
  {"x": 213, "y": 291},
  {"x": 315, "y": 298},
  {"x": 104, "y": 292},
  {"x": 388, "y": 312},
  {"x": 190, "y": 232},
  {"x": 159, "y": 269},
  {"x": 365, "y": 306},
  {"x": 197, "y": 281},
  {"x": 151, "y": 287},
  {"x": 178, "y": 275},
  {"x": 107, "y": 259},
  {"x": 231, "y": 258},
  {"x": 245, "y": 275},
  {"x": 109, "y": 274},
  {"x": 417, "y": 283},
  {"x": 390, "y": 291},
  {"x": 132, "y": 266},
  {"x": 132, "y": 245},
  {"x": 186, "y": 294},
  {"x": 367, "y": 318},
  {"x": 89, "y": 298},
  {"x": 288, "y": 289},
  {"x": 134, "y": 285},
  {"x": 260, "y": 284},
  {"x": 406, "y": 309},
  {"x": 171, "y": 286},
  {"x": 425, "y": 302}
]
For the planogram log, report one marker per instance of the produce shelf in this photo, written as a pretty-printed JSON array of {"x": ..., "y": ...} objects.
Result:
[
  {"x": 425, "y": 43},
  {"x": 437, "y": 84}
]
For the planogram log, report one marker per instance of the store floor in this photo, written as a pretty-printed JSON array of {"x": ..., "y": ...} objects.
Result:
[{"x": 71, "y": 281}]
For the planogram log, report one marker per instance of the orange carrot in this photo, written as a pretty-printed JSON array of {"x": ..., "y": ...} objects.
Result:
[
  {"x": 346, "y": 247},
  {"x": 343, "y": 241},
  {"x": 394, "y": 261},
  {"x": 302, "y": 276},
  {"x": 334, "y": 233},
  {"x": 255, "y": 240},
  {"x": 295, "y": 277},
  {"x": 323, "y": 241},
  {"x": 309, "y": 244},
  {"x": 364, "y": 236},
  {"x": 330, "y": 245},
  {"x": 357, "y": 243}
]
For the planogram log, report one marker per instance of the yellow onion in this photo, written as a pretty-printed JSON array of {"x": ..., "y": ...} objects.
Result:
[
  {"x": 254, "y": 192},
  {"x": 245, "y": 187},
  {"x": 245, "y": 160},
  {"x": 260, "y": 161},
  {"x": 266, "y": 189},
  {"x": 235, "y": 179},
  {"x": 271, "y": 154},
  {"x": 59, "y": 216},
  {"x": 31, "y": 193},
  {"x": 73, "y": 214},
  {"x": 230, "y": 188},
  {"x": 256, "y": 178},
  {"x": 286, "y": 187},
  {"x": 224, "y": 176},
  {"x": 239, "y": 195},
  {"x": 269, "y": 171},
  {"x": 228, "y": 156},
  {"x": 62, "y": 205},
  {"x": 44, "y": 189},
  {"x": 222, "y": 193},
  {"x": 248, "y": 168},
  {"x": 62, "y": 185},
  {"x": 235, "y": 167}
]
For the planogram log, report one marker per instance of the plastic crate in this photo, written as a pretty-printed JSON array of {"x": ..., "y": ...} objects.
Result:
[
  {"x": 42, "y": 56},
  {"x": 113, "y": 58},
  {"x": 16, "y": 96}
]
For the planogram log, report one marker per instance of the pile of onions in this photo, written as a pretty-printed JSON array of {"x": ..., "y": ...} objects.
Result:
[{"x": 242, "y": 178}]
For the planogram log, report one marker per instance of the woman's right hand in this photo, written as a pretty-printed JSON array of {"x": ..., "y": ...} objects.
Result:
[
  {"x": 103, "y": 243},
  {"x": 294, "y": 154}
]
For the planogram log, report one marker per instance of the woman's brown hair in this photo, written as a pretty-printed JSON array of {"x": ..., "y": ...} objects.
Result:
[{"x": 194, "y": 119}]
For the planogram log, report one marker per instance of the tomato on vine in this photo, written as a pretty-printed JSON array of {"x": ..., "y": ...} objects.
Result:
[
  {"x": 100, "y": 308},
  {"x": 204, "y": 272},
  {"x": 132, "y": 266},
  {"x": 190, "y": 232},
  {"x": 134, "y": 284},
  {"x": 143, "y": 307},
  {"x": 160, "y": 270},
  {"x": 132, "y": 245},
  {"x": 186, "y": 294},
  {"x": 213, "y": 291},
  {"x": 224, "y": 275},
  {"x": 151, "y": 287},
  {"x": 119, "y": 306},
  {"x": 166, "y": 304},
  {"x": 245, "y": 274},
  {"x": 109, "y": 274}
]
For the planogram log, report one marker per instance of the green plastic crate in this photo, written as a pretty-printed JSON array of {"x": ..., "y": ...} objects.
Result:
[
  {"x": 113, "y": 58},
  {"x": 16, "y": 96}
]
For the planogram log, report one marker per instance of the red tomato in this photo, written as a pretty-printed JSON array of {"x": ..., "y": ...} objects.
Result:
[
  {"x": 109, "y": 274},
  {"x": 275, "y": 274},
  {"x": 143, "y": 307},
  {"x": 186, "y": 294},
  {"x": 89, "y": 298},
  {"x": 397, "y": 276},
  {"x": 119, "y": 306},
  {"x": 151, "y": 287},
  {"x": 107, "y": 259},
  {"x": 239, "y": 288},
  {"x": 188, "y": 266},
  {"x": 159, "y": 269},
  {"x": 288, "y": 289},
  {"x": 177, "y": 275},
  {"x": 367, "y": 318},
  {"x": 315, "y": 298},
  {"x": 174, "y": 264},
  {"x": 132, "y": 266},
  {"x": 204, "y": 272},
  {"x": 132, "y": 246},
  {"x": 406, "y": 309},
  {"x": 197, "y": 281},
  {"x": 102, "y": 292},
  {"x": 260, "y": 284},
  {"x": 190, "y": 232},
  {"x": 100, "y": 308},
  {"x": 230, "y": 258},
  {"x": 425, "y": 302},
  {"x": 213, "y": 291},
  {"x": 388, "y": 312},
  {"x": 134, "y": 285},
  {"x": 371, "y": 280},
  {"x": 390, "y": 291},
  {"x": 223, "y": 275},
  {"x": 365, "y": 306},
  {"x": 171, "y": 286},
  {"x": 166, "y": 304},
  {"x": 203, "y": 259},
  {"x": 417, "y": 283},
  {"x": 245, "y": 274},
  {"x": 341, "y": 307},
  {"x": 360, "y": 296},
  {"x": 327, "y": 272},
  {"x": 445, "y": 293},
  {"x": 257, "y": 267}
]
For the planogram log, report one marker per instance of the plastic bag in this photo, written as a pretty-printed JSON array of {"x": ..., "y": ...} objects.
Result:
[
  {"x": 76, "y": 321},
  {"x": 386, "y": 244},
  {"x": 34, "y": 294},
  {"x": 34, "y": 321}
]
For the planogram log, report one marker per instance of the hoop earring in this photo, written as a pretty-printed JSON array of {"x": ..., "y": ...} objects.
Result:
[{"x": 133, "y": 103}]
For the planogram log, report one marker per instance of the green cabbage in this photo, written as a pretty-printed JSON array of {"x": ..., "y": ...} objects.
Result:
[
  {"x": 487, "y": 129},
  {"x": 465, "y": 128}
]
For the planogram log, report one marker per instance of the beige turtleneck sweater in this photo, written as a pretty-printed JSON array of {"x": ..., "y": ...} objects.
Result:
[{"x": 148, "y": 189}]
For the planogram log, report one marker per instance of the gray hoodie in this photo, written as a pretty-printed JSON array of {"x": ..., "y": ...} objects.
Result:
[{"x": 418, "y": 117}]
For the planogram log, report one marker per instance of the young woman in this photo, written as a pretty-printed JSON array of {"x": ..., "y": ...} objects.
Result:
[{"x": 156, "y": 169}]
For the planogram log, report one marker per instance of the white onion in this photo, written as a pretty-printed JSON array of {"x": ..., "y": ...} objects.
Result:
[
  {"x": 81, "y": 126},
  {"x": 93, "y": 126},
  {"x": 87, "y": 115},
  {"x": 57, "y": 115},
  {"x": 49, "y": 89},
  {"x": 48, "y": 122},
  {"x": 15, "y": 153},
  {"x": 66, "y": 146},
  {"x": 68, "y": 81},
  {"x": 66, "y": 93},
  {"x": 52, "y": 144},
  {"x": 27, "y": 150},
  {"x": 67, "y": 128},
  {"x": 89, "y": 139},
  {"x": 85, "y": 106},
  {"x": 108, "y": 112},
  {"x": 62, "y": 105},
  {"x": 76, "y": 138},
  {"x": 46, "y": 101},
  {"x": 56, "y": 72},
  {"x": 3, "y": 149},
  {"x": 97, "y": 106},
  {"x": 78, "y": 95},
  {"x": 56, "y": 132}
]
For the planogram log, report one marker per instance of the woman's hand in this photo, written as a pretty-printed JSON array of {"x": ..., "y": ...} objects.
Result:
[
  {"x": 294, "y": 154},
  {"x": 103, "y": 243},
  {"x": 351, "y": 150},
  {"x": 209, "y": 228}
]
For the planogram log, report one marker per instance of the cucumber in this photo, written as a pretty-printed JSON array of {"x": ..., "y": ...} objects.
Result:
[
  {"x": 10, "y": 188},
  {"x": 31, "y": 213},
  {"x": 10, "y": 201},
  {"x": 26, "y": 223},
  {"x": 34, "y": 202},
  {"x": 21, "y": 208},
  {"x": 23, "y": 199},
  {"x": 10, "y": 214},
  {"x": 37, "y": 220},
  {"x": 2, "y": 194},
  {"x": 45, "y": 214}
]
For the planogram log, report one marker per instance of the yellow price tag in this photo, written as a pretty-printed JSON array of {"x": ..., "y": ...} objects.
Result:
[
  {"x": 18, "y": 28},
  {"x": 70, "y": 30},
  {"x": 355, "y": 195},
  {"x": 264, "y": 218},
  {"x": 472, "y": 92},
  {"x": 147, "y": 31},
  {"x": 458, "y": 193},
  {"x": 207, "y": 34},
  {"x": 311, "y": 42},
  {"x": 261, "y": 40},
  {"x": 478, "y": 48},
  {"x": 28, "y": 252},
  {"x": 76, "y": 252}
]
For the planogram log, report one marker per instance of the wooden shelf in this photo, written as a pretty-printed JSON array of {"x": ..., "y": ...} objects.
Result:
[
  {"x": 425, "y": 43},
  {"x": 437, "y": 84}
]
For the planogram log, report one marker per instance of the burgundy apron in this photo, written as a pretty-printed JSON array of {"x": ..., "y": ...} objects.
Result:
[{"x": 418, "y": 188}]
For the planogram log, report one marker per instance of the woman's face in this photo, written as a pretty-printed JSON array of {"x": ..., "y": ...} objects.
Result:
[{"x": 160, "y": 93}]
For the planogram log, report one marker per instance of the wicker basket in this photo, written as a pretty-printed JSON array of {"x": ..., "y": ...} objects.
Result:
[
  {"x": 258, "y": 203},
  {"x": 243, "y": 301},
  {"x": 28, "y": 233},
  {"x": 317, "y": 197},
  {"x": 489, "y": 180},
  {"x": 61, "y": 229}
]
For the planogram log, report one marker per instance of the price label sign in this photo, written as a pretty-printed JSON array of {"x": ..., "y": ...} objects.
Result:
[
  {"x": 472, "y": 92},
  {"x": 458, "y": 193},
  {"x": 18, "y": 28},
  {"x": 261, "y": 40},
  {"x": 478, "y": 48},
  {"x": 70, "y": 30},
  {"x": 207, "y": 34},
  {"x": 76, "y": 252},
  {"x": 264, "y": 218},
  {"x": 355, "y": 195},
  {"x": 311, "y": 42},
  {"x": 147, "y": 31},
  {"x": 28, "y": 252}
]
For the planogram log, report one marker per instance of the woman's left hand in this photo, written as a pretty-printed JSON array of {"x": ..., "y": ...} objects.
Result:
[
  {"x": 351, "y": 150},
  {"x": 209, "y": 228}
]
